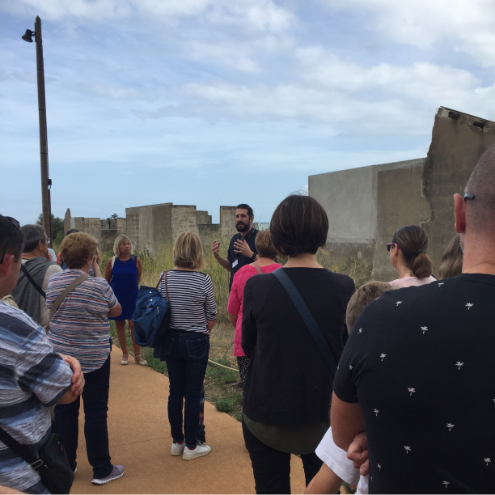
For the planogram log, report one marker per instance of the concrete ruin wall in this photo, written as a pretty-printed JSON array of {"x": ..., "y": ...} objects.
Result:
[
  {"x": 367, "y": 205},
  {"x": 153, "y": 227}
]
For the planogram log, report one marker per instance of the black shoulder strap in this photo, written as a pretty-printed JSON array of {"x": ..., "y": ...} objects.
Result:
[
  {"x": 33, "y": 283},
  {"x": 308, "y": 318},
  {"x": 19, "y": 449}
]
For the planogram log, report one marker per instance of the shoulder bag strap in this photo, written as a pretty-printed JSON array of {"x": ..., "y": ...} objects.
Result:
[
  {"x": 164, "y": 274},
  {"x": 31, "y": 280},
  {"x": 21, "y": 450},
  {"x": 309, "y": 320},
  {"x": 60, "y": 299},
  {"x": 257, "y": 268}
]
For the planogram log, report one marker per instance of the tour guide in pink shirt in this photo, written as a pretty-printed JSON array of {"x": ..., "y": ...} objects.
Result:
[{"x": 264, "y": 264}]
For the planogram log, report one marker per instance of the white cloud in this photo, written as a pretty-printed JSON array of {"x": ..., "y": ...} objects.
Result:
[
  {"x": 256, "y": 15},
  {"x": 466, "y": 25}
]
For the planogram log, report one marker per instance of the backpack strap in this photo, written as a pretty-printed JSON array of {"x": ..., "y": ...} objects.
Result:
[
  {"x": 257, "y": 268},
  {"x": 164, "y": 274},
  {"x": 31, "y": 280},
  {"x": 60, "y": 299},
  {"x": 309, "y": 320},
  {"x": 113, "y": 261}
]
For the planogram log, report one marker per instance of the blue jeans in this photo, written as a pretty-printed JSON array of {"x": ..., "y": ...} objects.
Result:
[
  {"x": 186, "y": 355},
  {"x": 95, "y": 402}
]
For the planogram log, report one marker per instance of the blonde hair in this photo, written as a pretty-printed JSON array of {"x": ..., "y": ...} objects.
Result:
[
  {"x": 264, "y": 245},
  {"x": 118, "y": 241},
  {"x": 451, "y": 259},
  {"x": 77, "y": 248},
  {"x": 361, "y": 298},
  {"x": 188, "y": 251}
]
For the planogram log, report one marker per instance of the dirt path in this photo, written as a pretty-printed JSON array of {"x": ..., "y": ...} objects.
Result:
[{"x": 140, "y": 440}]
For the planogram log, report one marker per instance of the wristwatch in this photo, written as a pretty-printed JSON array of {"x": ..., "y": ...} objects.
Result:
[{"x": 253, "y": 257}]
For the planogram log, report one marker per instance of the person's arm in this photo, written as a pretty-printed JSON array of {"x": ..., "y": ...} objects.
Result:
[
  {"x": 211, "y": 324},
  {"x": 233, "y": 319},
  {"x": 77, "y": 374},
  {"x": 210, "y": 306},
  {"x": 234, "y": 303},
  {"x": 115, "y": 311},
  {"x": 139, "y": 269},
  {"x": 346, "y": 420},
  {"x": 249, "y": 330},
  {"x": 325, "y": 481},
  {"x": 215, "y": 249},
  {"x": 108, "y": 271}
]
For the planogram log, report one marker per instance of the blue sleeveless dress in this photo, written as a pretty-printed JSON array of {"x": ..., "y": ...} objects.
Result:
[{"x": 125, "y": 286}]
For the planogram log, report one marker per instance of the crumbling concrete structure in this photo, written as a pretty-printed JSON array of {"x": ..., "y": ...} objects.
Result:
[
  {"x": 151, "y": 228},
  {"x": 367, "y": 205}
]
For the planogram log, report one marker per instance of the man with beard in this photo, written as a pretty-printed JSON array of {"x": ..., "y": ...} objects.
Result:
[{"x": 242, "y": 250}]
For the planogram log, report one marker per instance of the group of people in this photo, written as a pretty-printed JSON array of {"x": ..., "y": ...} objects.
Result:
[{"x": 405, "y": 367}]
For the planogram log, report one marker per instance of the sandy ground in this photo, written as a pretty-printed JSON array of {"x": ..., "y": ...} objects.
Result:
[{"x": 140, "y": 440}]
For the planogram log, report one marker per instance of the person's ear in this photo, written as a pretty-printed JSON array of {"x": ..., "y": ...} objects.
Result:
[
  {"x": 5, "y": 266},
  {"x": 459, "y": 214}
]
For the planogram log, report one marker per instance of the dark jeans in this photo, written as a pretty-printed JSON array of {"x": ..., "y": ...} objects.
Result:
[
  {"x": 271, "y": 467},
  {"x": 186, "y": 355},
  {"x": 95, "y": 403}
]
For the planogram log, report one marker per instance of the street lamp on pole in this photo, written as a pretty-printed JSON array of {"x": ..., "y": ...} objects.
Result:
[{"x": 45, "y": 181}]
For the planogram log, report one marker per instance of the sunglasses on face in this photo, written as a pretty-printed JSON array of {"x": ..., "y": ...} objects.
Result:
[
  {"x": 16, "y": 225},
  {"x": 390, "y": 244}
]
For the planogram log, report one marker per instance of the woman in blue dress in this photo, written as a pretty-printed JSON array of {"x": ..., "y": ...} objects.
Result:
[{"x": 123, "y": 273}]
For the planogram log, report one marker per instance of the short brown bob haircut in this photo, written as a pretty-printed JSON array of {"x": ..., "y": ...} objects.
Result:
[
  {"x": 361, "y": 298},
  {"x": 264, "y": 245},
  {"x": 77, "y": 248},
  {"x": 188, "y": 251},
  {"x": 299, "y": 225}
]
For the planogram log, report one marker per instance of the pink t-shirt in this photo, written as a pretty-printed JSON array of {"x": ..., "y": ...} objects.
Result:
[
  {"x": 400, "y": 283},
  {"x": 234, "y": 306}
]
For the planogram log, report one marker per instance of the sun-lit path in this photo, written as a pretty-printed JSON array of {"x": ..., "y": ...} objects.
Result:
[{"x": 140, "y": 440}]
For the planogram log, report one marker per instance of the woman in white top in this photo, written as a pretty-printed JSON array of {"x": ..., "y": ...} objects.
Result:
[{"x": 408, "y": 256}]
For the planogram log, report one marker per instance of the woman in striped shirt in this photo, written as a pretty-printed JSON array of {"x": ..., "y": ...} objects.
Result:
[
  {"x": 80, "y": 328},
  {"x": 186, "y": 347}
]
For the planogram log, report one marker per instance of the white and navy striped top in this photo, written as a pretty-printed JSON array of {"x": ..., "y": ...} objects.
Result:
[
  {"x": 32, "y": 378},
  {"x": 191, "y": 300}
]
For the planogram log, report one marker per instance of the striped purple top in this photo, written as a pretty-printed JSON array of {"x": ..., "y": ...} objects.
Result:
[{"x": 80, "y": 326}]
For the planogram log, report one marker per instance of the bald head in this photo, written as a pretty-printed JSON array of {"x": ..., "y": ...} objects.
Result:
[{"x": 480, "y": 212}]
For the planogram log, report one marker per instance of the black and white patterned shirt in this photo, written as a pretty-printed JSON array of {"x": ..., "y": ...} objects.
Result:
[
  {"x": 420, "y": 362},
  {"x": 191, "y": 299}
]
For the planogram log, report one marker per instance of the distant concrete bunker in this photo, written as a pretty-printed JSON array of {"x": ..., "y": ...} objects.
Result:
[{"x": 151, "y": 228}]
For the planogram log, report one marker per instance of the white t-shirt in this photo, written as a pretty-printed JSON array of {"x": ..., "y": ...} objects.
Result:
[
  {"x": 335, "y": 458},
  {"x": 400, "y": 283}
]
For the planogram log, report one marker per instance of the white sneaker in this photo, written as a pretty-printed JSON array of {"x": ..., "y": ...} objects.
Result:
[
  {"x": 200, "y": 450},
  {"x": 177, "y": 448}
]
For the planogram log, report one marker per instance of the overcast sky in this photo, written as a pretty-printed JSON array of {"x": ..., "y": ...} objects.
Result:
[{"x": 218, "y": 102}]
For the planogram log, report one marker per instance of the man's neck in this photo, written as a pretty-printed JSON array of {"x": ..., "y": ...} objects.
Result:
[{"x": 479, "y": 256}]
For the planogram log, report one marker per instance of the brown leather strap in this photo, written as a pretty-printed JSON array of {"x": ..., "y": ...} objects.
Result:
[
  {"x": 164, "y": 274},
  {"x": 60, "y": 299},
  {"x": 257, "y": 268}
]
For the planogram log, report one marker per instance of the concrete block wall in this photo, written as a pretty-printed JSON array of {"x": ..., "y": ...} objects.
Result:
[
  {"x": 367, "y": 205},
  {"x": 152, "y": 228}
]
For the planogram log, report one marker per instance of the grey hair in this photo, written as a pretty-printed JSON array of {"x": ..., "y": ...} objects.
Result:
[
  {"x": 118, "y": 241},
  {"x": 32, "y": 235}
]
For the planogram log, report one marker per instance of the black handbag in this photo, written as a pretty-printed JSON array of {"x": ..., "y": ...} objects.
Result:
[{"x": 51, "y": 463}]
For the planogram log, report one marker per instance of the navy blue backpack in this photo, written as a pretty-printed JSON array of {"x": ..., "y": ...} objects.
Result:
[{"x": 152, "y": 316}]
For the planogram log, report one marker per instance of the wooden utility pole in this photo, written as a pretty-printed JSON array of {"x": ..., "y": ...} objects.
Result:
[{"x": 45, "y": 181}]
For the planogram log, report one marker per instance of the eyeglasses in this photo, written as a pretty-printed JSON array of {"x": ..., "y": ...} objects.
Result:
[
  {"x": 390, "y": 244},
  {"x": 16, "y": 225},
  {"x": 468, "y": 196}
]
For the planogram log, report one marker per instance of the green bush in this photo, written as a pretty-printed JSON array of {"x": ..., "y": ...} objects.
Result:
[{"x": 224, "y": 405}]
